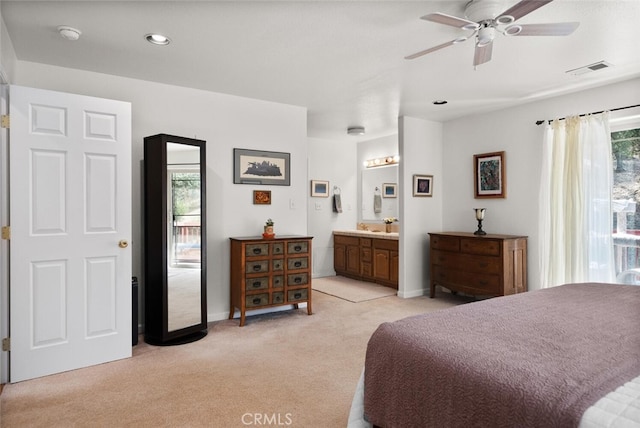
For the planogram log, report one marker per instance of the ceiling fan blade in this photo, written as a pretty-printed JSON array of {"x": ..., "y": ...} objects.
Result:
[
  {"x": 482, "y": 54},
  {"x": 435, "y": 48},
  {"x": 523, "y": 8},
  {"x": 555, "y": 29},
  {"x": 454, "y": 21}
]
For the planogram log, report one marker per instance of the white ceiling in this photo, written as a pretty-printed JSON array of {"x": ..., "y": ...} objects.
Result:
[{"x": 342, "y": 60}]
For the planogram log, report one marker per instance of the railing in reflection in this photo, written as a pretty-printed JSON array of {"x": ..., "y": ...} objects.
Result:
[
  {"x": 186, "y": 244},
  {"x": 626, "y": 248}
]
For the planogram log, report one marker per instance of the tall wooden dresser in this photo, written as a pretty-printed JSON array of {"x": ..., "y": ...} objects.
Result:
[
  {"x": 490, "y": 265},
  {"x": 270, "y": 272}
]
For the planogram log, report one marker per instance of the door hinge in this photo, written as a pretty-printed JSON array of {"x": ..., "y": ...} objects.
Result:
[
  {"x": 5, "y": 121},
  {"x": 6, "y": 344},
  {"x": 6, "y": 232}
]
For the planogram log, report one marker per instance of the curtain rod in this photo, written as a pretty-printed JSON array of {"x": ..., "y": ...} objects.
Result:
[{"x": 540, "y": 122}]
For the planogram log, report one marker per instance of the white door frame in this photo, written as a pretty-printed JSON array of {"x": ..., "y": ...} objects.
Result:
[{"x": 4, "y": 221}]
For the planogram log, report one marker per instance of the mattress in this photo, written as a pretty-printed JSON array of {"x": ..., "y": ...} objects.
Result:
[{"x": 617, "y": 409}]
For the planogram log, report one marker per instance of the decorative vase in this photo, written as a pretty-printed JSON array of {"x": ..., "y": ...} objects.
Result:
[
  {"x": 387, "y": 227},
  {"x": 268, "y": 232}
]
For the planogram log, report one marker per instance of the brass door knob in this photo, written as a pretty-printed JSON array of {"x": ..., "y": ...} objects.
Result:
[{"x": 123, "y": 243}]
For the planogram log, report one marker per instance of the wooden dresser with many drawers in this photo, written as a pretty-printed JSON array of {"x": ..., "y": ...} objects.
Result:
[
  {"x": 270, "y": 272},
  {"x": 489, "y": 265}
]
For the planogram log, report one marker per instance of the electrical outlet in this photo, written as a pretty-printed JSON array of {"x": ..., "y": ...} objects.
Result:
[
  {"x": 292, "y": 204},
  {"x": 318, "y": 206}
]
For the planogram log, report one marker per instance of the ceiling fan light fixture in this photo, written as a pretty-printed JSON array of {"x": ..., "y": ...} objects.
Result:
[
  {"x": 472, "y": 27},
  {"x": 512, "y": 30},
  {"x": 485, "y": 36},
  {"x": 157, "y": 39},
  {"x": 505, "y": 20},
  {"x": 459, "y": 40}
]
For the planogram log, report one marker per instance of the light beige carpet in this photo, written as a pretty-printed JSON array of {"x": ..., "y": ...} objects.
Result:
[
  {"x": 350, "y": 289},
  {"x": 301, "y": 369}
]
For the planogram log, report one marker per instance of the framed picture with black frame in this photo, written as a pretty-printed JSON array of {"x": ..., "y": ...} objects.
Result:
[
  {"x": 422, "y": 185},
  {"x": 261, "y": 167}
]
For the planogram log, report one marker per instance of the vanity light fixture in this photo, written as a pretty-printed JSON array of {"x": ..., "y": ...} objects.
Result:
[
  {"x": 355, "y": 130},
  {"x": 440, "y": 102},
  {"x": 157, "y": 39},
  {"x": 383, "y": 161}
]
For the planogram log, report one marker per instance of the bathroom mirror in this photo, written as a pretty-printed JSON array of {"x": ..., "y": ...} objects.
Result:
[
  {"x": 377, "y": 201},
  {"x": 175, "y": 238}
]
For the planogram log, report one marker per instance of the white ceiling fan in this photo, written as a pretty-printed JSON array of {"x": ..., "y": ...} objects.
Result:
[{"x": 483, "y": 17}]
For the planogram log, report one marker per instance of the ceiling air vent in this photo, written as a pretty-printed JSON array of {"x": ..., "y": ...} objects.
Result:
[{"x": 589, "y": 68}]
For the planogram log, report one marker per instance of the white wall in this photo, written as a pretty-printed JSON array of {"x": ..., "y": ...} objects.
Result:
[
  {"x": 515, "y": 132},
  {"x": 334, "y": 162},
  {"x": 225, "y": 122},
  {"x": 420, "y": 143}
]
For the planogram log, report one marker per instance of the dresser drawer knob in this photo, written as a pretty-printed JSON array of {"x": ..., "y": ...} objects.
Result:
[
  {"x": 256, "y": 268},
  {"x": 297, "y": 295},
  {"x": 256, "y": 301},
  {"x": 297, "y": 280},
  {"x": 297, "y": 248},
  {"x": 256, "y": 284},
  {"x": 297, "y": 264},
  {"x": 257, "y": 250}
]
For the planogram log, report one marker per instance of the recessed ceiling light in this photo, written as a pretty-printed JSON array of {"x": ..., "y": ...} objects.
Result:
[
  {"x": 440, "y": 102},
  {"x": 157, "y": 39}
]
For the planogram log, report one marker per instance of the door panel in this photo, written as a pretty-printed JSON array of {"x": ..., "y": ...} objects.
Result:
[{"x": 70, "y": 206}]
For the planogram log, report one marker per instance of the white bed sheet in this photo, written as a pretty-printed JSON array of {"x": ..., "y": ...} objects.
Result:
[{"x": 617, "y": 409}]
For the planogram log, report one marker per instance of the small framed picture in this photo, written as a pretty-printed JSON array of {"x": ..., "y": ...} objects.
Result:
[
  {"x": 489, "y": 175},
  {"x": 389, "y": 190},
  {"x": 319, "y": 188},
  {"x": 262, "y": 197},
  {"x": 422, "y": 185}
]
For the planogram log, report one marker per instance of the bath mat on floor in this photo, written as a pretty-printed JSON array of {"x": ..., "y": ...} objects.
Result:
[{"x": 350, "y": 289}]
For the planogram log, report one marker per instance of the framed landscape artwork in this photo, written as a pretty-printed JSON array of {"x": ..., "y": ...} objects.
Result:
[
  {"x": 260, "y": 167},
  {"x": 389, "y": 190},
  {"x": 489, "y": 175},
  {"x": 320, "y": 188}
]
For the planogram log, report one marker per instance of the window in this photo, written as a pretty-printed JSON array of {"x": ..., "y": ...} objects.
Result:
[{"x": 625, "y": 145}]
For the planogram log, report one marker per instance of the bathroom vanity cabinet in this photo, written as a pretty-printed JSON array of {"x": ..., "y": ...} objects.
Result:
[{"x": 367, "y": 256}]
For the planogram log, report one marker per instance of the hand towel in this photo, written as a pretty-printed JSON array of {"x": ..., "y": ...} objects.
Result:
[
  {"x": 337, "y": 204},
  {"x": 377, "y": 203}
]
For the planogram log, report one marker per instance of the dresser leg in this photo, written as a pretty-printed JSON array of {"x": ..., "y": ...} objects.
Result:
[
  {"x": 242, "y": 317},
  {"x": 432, "y": 292},
  {"x": 309, "y": 308}
]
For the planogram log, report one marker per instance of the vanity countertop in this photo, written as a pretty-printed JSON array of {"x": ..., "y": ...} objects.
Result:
[{"x": 367, "y": 234}]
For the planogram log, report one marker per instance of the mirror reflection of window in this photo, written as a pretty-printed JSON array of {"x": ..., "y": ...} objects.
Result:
[
  {"x": 185, "y": 204},
  {"x": 184, "y": 232}
]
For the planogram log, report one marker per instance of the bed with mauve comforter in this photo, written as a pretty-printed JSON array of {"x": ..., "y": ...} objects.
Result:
[{"x": 566, "y": 356}]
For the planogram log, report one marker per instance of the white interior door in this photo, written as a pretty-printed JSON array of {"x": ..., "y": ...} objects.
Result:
[{"x": 70, "y": 214}]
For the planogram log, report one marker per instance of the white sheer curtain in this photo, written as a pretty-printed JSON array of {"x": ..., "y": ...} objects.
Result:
[{"x": 575, "y": 226}]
